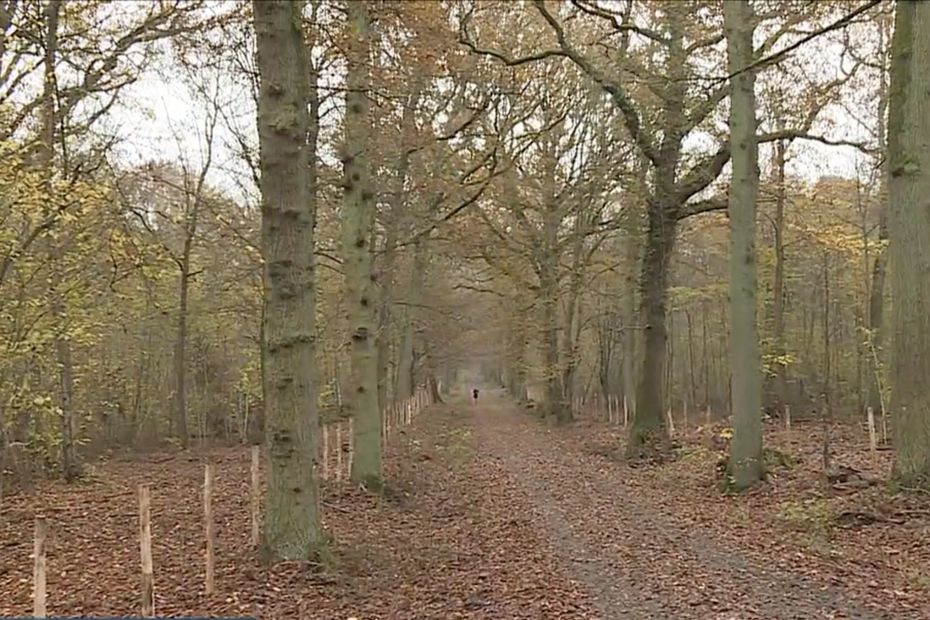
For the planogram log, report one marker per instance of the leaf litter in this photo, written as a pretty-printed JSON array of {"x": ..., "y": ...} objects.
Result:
[{"x": 488, "y": 513}]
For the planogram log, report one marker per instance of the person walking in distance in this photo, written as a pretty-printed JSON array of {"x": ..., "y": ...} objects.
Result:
[{"x": 474, "y": 396}]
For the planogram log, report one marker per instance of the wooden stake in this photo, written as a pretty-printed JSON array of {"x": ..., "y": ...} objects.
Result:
[
  {"x": 351, "y": 444},
  {"x": 626, "y": 411},
  {"x": 208, "y": 528},
  {"x": 671, "y": 422},
  {"x": 610, "y": 409},
  {"x": 39, "y": 569},
  {"x": 788, "y": 418},
  {"x": 707, "y": 416},
  {"x": 325, "y": 456},
  {"x": 256, "y": 494},
  {"x": 339, "y": 452},
  {"x": 884, "y": 425},
  {"x": 873, "y": 438},
  {"x": 145, "y": 551}
]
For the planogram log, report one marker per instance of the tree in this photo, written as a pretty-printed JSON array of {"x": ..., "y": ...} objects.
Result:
[
  {"x": 292, "y": 519},
  {"x": 909, "y": 229},
  {"x": 358, "y": 212},
  {"x": 745, "y": 462},
  {"x": 659, "y": 113}
]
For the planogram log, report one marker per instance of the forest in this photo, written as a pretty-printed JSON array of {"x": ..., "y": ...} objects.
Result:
[{"x": 448, "y": 309}]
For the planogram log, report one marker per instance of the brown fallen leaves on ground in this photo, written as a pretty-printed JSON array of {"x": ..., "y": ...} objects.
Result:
[
  {"x": 490, "y": 514},
  {"x": 843, "y": 530},
  {"x": 445, "y": 542}
]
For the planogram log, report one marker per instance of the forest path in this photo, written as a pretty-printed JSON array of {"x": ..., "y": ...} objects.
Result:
[{"x": 637, "y": 560}]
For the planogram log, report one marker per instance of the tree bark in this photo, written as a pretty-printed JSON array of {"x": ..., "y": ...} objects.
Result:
[
  {"x": 572, "y": 322},
  {"x": 70, "y": 464},
  {"x": 745, "y": 463},
  {"x": 778, "y": 284},
  {"x": 404, "y": 387},
  {"x": 909, "y": 229},
  {"x": 630, "y": 331},
  {"x": 292, "y": 528},
  {"x": 880, "y": 261},
  {"x": 358, "y": 208},
  {"x": 180, "y": 343},
  {"x": 406, "y": 379},
  {"x": 648, "y": 432}
]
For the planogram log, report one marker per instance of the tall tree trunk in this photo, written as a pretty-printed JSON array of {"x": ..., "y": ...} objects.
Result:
[
  {"x": 180, "y": 343},
  {"x": 292, "y": 528},
  {"x": 572, "y": 322},
  {"x": 70, "y": 464},
  {"x": 517, "y": 359},
  {"x": 778, "y": 285},
  {"x": 909, "y": 230},
  {"x": 398, "y": 202},
  {"x": 385, "y": 313},
  {"x": 630, "y": 330},
  {"x": 648, "y": 432},
  {"x": 556, "y": 409},
  {"x": 406, "y": 380},
  {"x": 692, "y": 383},
  {"x": 356, "y": 238},
  {"x": 880, "y": 261},
  {"x": 745, "y": 464}
]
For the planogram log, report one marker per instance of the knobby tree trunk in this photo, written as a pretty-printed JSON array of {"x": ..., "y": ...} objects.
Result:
[
  {"x": 909, "y": 229},
  {"x": 356, "y": 238},
  {"x": 745, "y": 464},
  {"x": 292, "y": 528},
  {"x": 648, "y": 432}
]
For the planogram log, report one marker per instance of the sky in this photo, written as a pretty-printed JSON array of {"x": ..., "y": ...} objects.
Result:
[{"x": 161, "y": 119}]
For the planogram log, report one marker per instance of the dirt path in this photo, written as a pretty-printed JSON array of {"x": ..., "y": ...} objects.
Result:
[{"x": 636, "y": 560}]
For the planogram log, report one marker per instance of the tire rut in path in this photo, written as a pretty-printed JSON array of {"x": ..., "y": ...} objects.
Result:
[{"x": 635, "y": 559}]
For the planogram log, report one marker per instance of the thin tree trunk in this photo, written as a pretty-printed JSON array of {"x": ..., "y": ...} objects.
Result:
[
  {"x": 692, "y": 381},
  {"x": 778, "y": 285},
  {"x": 180, "y": 351},
  {"x": 880, "y": 261},
  {"x": 292, "y": 528}
]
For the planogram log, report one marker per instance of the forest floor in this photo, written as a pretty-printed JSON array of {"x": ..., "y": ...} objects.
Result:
[{"x": 489, "y": 513}]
